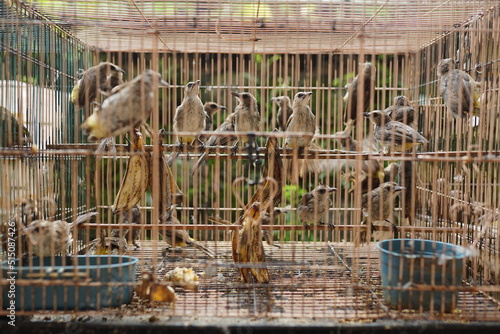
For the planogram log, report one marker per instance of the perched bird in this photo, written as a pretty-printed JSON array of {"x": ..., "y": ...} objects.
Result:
[
  {"x": 302, "y": 120},
  {"x": 12, "y": 132},
  {"x": 314, "y": 206},
  {"x": 48, "y": 238},
  {"x": 407, "y": 180},
  {"x": 459, "y": 91},
  {"x": 401, "y": 111},
  {"x": 248, "y": 247},
  {"x": 377, "y": 205},
  {"x": 358, "y": 95},
  {"x": 178, "y": 237},
  {"x": 211, "y": 108},
  {"x": 284, "y": 111},
  {"x": 102, "y": 77},
  {"x": 371, "y": 167},
  {"x": 394, "y": 136},
  {"x": 246, "y": 116},
  {"x": 220, "y": 140},
  {"x": 128, "y": 107},
  {"x": 132, "y": 216},
  {"x": 190, "y": 115}
]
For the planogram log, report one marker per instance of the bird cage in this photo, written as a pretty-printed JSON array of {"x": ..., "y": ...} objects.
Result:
[{"x": 272, "y": 163}]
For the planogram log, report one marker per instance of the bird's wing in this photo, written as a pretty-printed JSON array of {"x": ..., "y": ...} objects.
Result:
[{"x": 399, "y": 133}]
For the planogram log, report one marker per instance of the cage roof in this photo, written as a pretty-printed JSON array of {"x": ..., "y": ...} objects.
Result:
[{"x": 266, "y": 26}]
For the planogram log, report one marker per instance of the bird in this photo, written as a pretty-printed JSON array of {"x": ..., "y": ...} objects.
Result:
[
  {"x": 102, "y": 77},
  {"x": 371, "y": 167},
  {"x": 284, "y": 111},
  {"x": 377, "y": 204},
  {"x": 221, "y": 139},
  {"x": 357, "y": 97},
  {"x": 132, "y": 216},
  {"x": 211, "y": 108},
  {"x": 300, "y": 131},
  {"x": 49, "y": 238},
  {"x": 407, "y": 180},
  {"x": 401, "y": 110},
  {"x": 392, "y": 135},
  {"x": 12, "y": 132},
  {"x": 314, "y": 206},
  {"x": 246, "y": 116},
  {"x": 460, "y": 92},
  {"x": 128, "y": 107},
  {"x": 190, "y": 116},
  {"x": 178, "y": 237},
  {"x": 302, "y": 121}
]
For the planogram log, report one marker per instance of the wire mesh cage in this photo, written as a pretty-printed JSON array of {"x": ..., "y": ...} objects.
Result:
[{"x": 301, "y": 160}]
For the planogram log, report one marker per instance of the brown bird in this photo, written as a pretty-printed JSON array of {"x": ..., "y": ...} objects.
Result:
[
  {"x": 302, "y": 120},
  {"x": 48, "y": 238},
  {"x": 190, "y": 115},
  {"x": 401, "y": 111},
  {"x": 371, "y": 167},
  {"x": 211, "y": 108},
  {"x": 246, "y": 115},
  {"x": 132, "y": 216},
  {"x": 377, "y": 205},
  {"x": 128, "y": 107},
  {"x": 461, "y": 93},
  {"x": 248, "y": 246},
  {"x": 314, "y": 206},
  {"x": 102, "y": 77},
  {"x": 220, "y": 140},
  {"x": 394, "y": 136},
  {"x": 284, "y": 111},
  {"x": 407, "y": 180},
  {"x": 358, "y": 95},
  {"x": 178, "y": 237},
  {"x": 12, "y": 131}
]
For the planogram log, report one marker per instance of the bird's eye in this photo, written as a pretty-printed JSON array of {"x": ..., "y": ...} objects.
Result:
[{"x": 322, "y": 191}]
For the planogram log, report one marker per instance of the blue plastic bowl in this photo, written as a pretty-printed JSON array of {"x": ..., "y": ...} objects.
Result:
[
  {"x": 412, "y": 265},
  {"x": 113, "y": 274}
]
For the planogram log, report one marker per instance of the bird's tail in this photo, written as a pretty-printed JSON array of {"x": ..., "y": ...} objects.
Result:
[
  {"x": 199, "y": 163},
  {"x": 83, "y": 218},
  {"x": 202, "y": 248}
]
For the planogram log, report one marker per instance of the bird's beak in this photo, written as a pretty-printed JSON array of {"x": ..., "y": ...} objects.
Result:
[
  {"x": 222, "y": 107},
  {"x": 399, "y": 188},
  {"x": 235, "y": 94},
  {"x": 332, "y": 189},
  {"x": 122, "y": 70},
  {"x": 197, "y": 82},
  {"x": 273, "y": 98},
  {"x": 163, "y": 83},
  {"x": 366, "y": 114}
]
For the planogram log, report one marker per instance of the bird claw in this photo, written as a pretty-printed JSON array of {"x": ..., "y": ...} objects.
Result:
[
  {"x": 306, "y": 226},
  {"x": 234, "y": 149},
  {"x": 331, "y": 226}
]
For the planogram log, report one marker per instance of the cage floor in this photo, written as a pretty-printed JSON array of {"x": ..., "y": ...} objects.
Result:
[{"x": 309, "y": 282}]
